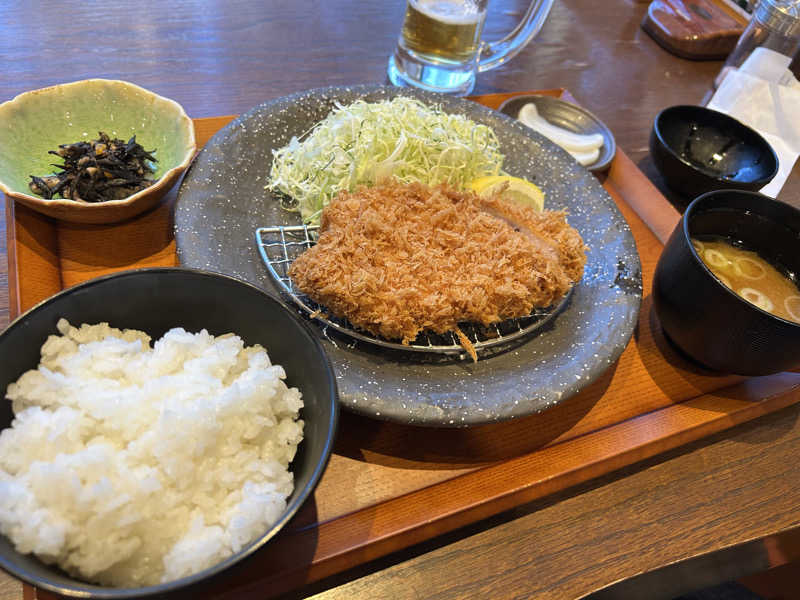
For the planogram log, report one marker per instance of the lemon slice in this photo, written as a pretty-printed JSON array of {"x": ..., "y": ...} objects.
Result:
[{"x": 518, "y": 190}]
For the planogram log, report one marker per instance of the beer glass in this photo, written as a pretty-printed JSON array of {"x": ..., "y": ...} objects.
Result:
[{"x": 440, "y": 47}]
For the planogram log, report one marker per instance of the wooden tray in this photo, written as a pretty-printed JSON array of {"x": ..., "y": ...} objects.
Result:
[{"x": 390, "y": 486}]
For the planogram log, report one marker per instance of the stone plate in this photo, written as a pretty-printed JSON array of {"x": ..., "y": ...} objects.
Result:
[{"x": 222, "y": 201}]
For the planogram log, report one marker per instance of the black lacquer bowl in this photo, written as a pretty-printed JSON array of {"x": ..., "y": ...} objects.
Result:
[
  {"x": 156, "y": 300},
  {"x": 707, "y": 320},
  {"x": 698, "y": 150},
  {"x": 223, "y": 200}
]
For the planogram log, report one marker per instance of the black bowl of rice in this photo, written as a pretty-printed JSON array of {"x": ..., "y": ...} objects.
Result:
[{"x": 160, "y": 425}]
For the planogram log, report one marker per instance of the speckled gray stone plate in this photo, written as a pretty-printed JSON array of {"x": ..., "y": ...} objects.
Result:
[{"x": 222, "y": 200}]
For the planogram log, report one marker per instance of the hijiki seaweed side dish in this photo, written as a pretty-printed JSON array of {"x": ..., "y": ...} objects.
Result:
[{"x": 97, "y": 171}]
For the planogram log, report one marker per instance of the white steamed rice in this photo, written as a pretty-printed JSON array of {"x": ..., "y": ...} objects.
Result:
[{"x": 129, "y": 465}]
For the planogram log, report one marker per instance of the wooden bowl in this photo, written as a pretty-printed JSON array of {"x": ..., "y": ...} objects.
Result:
[{"x": 38, "y": 121}]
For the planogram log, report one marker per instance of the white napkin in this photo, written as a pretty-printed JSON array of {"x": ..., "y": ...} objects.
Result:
[{"x": 765, "y": 95}]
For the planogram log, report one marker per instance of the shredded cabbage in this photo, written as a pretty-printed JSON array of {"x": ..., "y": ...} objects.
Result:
[{"x": 364, "y": 143}]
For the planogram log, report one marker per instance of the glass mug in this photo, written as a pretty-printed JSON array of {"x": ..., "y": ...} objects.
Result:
[{"x": 440, "y": 47}]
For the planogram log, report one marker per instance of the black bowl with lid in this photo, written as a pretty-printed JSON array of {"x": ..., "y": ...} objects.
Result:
[{"x": 698, "y": 150}]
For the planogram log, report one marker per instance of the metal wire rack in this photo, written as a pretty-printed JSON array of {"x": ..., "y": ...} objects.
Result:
[{"x": 279, "y": 246}]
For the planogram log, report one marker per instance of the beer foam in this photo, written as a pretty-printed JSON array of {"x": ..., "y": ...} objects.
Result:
[{"x": 456, "y": 12}]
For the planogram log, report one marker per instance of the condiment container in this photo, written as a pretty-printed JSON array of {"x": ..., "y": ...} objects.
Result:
[{"x": 768, "y": 43}]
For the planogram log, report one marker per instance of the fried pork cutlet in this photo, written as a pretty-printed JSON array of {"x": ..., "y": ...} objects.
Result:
[{"x": 397, "y": 259}]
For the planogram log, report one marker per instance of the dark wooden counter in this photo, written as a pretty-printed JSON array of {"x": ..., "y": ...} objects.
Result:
[{"x": 715, "y": 510}]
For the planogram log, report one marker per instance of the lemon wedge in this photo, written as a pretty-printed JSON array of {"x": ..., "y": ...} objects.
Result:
[{"x": 517, "y": 190}]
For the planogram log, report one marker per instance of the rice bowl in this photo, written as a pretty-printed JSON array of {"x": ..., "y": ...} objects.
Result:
[
  {"x": 168, "y": 459},
  {"x": 153, "y": 300}
]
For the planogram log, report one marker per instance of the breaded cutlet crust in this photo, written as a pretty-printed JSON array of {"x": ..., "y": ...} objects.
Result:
[{"x": 396, "y": 259}]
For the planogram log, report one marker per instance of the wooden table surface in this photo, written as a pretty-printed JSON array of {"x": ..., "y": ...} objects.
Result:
[{"x": 712, "y": 511}]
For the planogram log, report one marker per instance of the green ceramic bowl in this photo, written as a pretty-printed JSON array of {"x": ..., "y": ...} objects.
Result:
[{"x": 40, "y": 120}]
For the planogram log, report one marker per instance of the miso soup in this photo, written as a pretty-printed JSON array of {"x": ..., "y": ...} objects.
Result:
[{"x": 750, "y": 276}]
